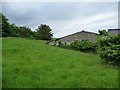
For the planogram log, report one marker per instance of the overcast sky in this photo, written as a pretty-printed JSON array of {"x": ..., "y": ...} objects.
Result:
[{"x": 64, "y": 18}]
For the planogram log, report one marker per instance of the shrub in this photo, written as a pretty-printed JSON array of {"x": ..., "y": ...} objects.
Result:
[
  {"x": 84, "y": 45},
  {"x": 63, "y": 45},
  {"x": 108, "y": 49}
]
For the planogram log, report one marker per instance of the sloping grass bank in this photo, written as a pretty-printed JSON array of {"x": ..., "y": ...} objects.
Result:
[{"x": 33, "y": 64}]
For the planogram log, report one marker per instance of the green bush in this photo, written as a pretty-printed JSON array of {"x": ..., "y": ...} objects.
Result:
[
  {"x": 84, "y": 45},
  {"x": 108, "y": 49},
  {"x": 60, "y": 44}
]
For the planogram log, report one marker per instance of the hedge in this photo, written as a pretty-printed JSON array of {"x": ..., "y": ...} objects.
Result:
[
  {"x": 108, "y": 49},
  {"x": 84, "y": 45}
]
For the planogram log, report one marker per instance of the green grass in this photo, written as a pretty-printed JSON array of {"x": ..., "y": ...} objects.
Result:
[
  {"x": 0, "y": 63},
  {"x": 33, "y": 64}
]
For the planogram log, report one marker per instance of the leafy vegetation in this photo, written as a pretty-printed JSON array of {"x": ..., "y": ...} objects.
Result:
[
  {"x": 43, "y": 32},
  {"x": 109, "y": 47},
  {"x": 5, "y": 26},
  {"x": 103, "y": 32},
  {"x": 34, "y": 64},
  {"x": 84, "y": 45},
  {"x": 79, "y": 45}
]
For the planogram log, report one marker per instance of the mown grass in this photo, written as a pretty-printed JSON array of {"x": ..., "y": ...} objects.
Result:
[{"x": 33, "y": 64}]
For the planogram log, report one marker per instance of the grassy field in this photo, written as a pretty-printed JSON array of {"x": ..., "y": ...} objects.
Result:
[
  {"x": 0, "y": 63},
  {"x": 33, "y": 64}
]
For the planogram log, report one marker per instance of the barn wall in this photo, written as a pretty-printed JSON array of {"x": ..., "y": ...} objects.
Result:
[
  {"x": 79, "y": 36},
  {"x": 114, "y": 31}
]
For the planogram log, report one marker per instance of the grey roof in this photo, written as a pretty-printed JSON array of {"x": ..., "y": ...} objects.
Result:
[
  {"x": 113, "y": 29},
  {"x": 79, "y": 32}
]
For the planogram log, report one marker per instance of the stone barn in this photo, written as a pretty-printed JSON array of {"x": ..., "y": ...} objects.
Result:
[
  {"x": 114, "y": 31},
  {"x": 82, "y": 35}
]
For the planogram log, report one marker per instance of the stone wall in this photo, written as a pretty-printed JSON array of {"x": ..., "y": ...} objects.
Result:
[
  {"x": 83, "y": 35},
  {"x": 114, "y": 31}
]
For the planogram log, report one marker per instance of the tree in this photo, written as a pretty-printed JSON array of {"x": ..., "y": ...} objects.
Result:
[
  {"x": 44, "y": 32},
  {"x": 24, "y": 32},
  {"x": 6, "y": 31},
  {"x": 103, "y": 33},
  {"x": 14, "y": 30},
  {"x": 0, "y": 25}
]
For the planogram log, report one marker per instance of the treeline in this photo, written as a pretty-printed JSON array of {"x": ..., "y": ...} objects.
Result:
[{"x": 44, "y": 32}]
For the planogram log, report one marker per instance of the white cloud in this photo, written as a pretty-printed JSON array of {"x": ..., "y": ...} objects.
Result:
[
  {"x": 61, "y": 1},
  {"x": 78, "y": 23},
  {"x": 63, "y": 18}
]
